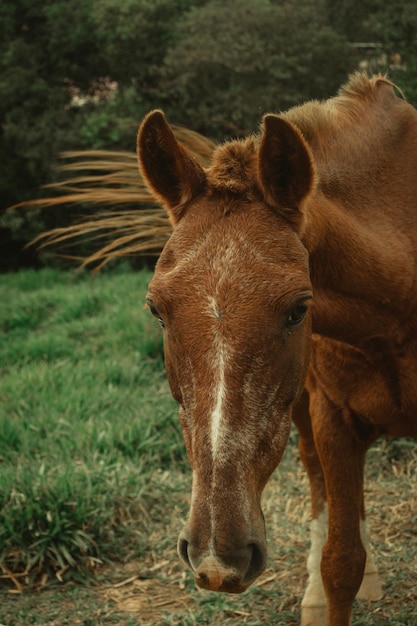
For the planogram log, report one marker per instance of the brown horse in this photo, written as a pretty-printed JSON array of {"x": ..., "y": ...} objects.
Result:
[{"x": 287, "y": 291}]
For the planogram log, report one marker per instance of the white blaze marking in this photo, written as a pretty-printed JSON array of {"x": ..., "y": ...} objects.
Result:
[
  {"x": 218, "y": 363},
  {"x": 219, "y": 395}
]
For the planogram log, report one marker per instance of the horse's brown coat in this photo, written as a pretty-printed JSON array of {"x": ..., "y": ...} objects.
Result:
[{"x": 324, "y": 200}]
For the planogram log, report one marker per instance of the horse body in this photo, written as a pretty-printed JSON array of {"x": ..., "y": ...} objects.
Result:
[
  {"x": 291, "y": 265},
  {"x": 362, "y": 243}
]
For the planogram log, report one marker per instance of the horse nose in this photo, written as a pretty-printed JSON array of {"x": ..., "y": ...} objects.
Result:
[{"x": 213, "y": 573}]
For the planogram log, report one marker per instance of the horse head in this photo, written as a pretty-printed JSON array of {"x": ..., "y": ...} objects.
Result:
[{"x": 231, "y": 290}]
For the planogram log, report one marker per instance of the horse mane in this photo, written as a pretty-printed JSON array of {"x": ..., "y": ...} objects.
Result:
[
  {"x": 234, "y": 164},
  {"x": 317, "y": 120}
]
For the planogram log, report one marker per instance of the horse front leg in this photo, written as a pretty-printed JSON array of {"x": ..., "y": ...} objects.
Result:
[
  {"x": 314, "y": 603},
  {"x": 313, "y": 606},
  {"x": 371, "y": 587},
  {"x": 341, "y": 447}
]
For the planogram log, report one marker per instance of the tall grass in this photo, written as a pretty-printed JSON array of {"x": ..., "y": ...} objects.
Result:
[{"x": 81, "y": 436}]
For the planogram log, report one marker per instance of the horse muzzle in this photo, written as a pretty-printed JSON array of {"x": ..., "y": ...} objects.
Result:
[{"x": 231, "y": 573}]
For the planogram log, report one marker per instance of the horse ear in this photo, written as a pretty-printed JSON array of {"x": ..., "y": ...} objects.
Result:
[
  {"x": 172, "y": 174},
  {"x": 286, "y": 168}
]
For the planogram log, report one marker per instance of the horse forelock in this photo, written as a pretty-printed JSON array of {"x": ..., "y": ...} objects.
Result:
[{"x": 234, "y": 167}]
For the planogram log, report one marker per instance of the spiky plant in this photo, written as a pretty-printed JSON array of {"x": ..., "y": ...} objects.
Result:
[{"x": 127, "y": 222}]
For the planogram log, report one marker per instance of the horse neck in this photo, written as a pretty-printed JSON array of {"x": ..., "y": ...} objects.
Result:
[
  {"x": 362, "y": 270},
  {"x": 361, "y": 222}
]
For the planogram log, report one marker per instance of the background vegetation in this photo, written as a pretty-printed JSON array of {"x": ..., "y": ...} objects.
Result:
[{"x": 82, "y": 74}]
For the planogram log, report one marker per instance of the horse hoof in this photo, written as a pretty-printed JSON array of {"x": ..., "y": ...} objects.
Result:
[
  {"x": 313, "y": 616},
  {"x": 371, "y": 587}
]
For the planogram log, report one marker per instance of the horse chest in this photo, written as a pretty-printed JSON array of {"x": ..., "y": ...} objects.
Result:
[{"x": 378, "y": 386}]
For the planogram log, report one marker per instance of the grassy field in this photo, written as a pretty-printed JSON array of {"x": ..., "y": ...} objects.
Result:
[
  {"x": 94, "y": 481},
  {"x": 86, "y": 420}
]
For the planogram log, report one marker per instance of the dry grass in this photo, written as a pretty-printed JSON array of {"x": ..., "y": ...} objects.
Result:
[{"x": 158, "y": 590}]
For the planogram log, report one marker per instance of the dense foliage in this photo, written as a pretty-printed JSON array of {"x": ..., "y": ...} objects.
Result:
[{"x": 82, "y": 74}]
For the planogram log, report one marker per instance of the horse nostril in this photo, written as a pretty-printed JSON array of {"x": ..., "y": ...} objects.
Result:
[
  {"x": 183, "y": 552},
  {"x": 257, "y": 563}
]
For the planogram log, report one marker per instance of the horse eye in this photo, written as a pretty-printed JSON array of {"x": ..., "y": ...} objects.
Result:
[
  {"x": 156, "y": 314},
  {"x": 297, "y": 314}
]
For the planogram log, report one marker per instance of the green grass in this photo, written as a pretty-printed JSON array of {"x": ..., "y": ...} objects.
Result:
[{"x": 80, "y": 432}]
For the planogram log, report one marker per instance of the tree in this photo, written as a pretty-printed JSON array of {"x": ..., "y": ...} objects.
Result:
[
  {"x": 233, "y": 61},
  {"x": 134, "y": 36},
  {"x": 44, "y": 47},
  {"x": 394, "y": 25},
  {"x": 82, "y": 74},
  {"x": 387, "y": 32},
  {"x": 55, "y": 54}
]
